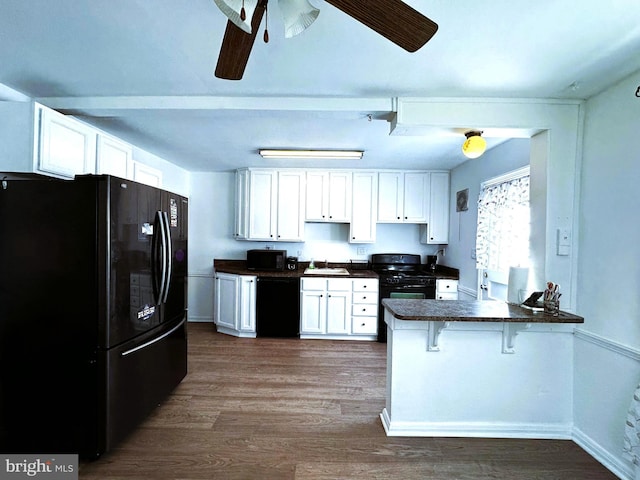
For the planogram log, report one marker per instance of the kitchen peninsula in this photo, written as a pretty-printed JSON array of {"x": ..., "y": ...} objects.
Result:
[{"x": 455, "y": 368}]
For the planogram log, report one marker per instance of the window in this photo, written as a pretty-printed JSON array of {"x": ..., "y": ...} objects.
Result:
[{"x": 503, "y": 228}]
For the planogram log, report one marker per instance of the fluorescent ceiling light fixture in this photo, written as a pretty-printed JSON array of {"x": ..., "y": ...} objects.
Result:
[{"x": 332, "y": 154}]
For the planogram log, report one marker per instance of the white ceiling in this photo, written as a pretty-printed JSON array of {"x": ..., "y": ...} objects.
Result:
[{"x": 143, "y": 70}]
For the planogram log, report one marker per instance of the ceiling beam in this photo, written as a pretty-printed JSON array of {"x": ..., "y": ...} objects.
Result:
[{"x": 125, "y": 105}]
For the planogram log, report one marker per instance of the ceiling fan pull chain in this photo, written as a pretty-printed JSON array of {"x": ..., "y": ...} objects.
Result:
[
  {"x": 265, "y": 37},
  {"x": 243, "y": 13}
]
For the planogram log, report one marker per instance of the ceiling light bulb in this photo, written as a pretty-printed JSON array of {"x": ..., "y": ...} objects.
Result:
[{"x": 474, "y": 145}]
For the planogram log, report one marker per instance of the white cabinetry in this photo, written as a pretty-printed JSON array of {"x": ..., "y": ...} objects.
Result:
[
  {"x": 446, "y": 289},
  {"x": 325, "y": 306},
  {"x": 364, "y": 207},
  {"x": 364, "y": 310},
  {"x": 274, "y": 203},
  {"x": 403, "y": 197},
  {"x": 339, "y": 308},
  {"x": 37, "y": 139},
  {"x": 438, "y": 223},
  {"x": 328, "y": 196},
  {"x": 114, "y": 157},
  {"x": 241, "y": 230},
  {"x": 67, "y": 147},
  {"x": 235, "y": 304},
  {"x": 148, "y": 175}
]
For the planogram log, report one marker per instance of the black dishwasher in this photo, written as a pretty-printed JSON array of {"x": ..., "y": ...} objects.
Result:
[{"x": 278, "y": 307}]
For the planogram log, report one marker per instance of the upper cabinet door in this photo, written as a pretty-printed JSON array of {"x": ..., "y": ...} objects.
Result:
[
  {"x": 438, "y": 228},
  {"x": 416, "y": 197},
  {"x": 67, "y": 147},
  {"x": 363, "y": 218},
  {"x": 290, "y": 206},
  {"x": 262, "y": 207},
  {"x": 114, "y": 157},
  {"x": 317, "y": 191},
  {"x": 340, "y": 196},
  {"x": 328, "y": 197},
  {"x": 390, "y": 197}
]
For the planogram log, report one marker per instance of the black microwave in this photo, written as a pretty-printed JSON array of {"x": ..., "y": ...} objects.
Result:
[{"x": 266, "y": 260}]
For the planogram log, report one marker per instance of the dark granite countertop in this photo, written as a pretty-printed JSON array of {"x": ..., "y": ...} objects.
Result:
[
  {"x": 470, "y": 311},
  {"x": 239, "y": 267}
]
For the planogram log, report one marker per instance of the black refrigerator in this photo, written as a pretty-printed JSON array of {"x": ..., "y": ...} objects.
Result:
[{"x": 93, "y": 277}]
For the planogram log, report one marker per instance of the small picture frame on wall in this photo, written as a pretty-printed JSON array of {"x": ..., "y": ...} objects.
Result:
[{"x": 462, "y": 200}]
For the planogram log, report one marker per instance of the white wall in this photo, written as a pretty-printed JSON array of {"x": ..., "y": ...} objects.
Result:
[
  {"x": 504, "y": 158},
  {"x": 607, "y": 350}
]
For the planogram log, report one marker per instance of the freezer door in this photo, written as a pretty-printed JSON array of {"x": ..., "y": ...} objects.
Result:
[{"x": 142, "y": 373}]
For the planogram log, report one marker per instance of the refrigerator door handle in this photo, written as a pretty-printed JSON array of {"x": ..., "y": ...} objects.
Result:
[
  {"x": 163, "y": 256},
  {"x": 155, "y": 258},
  {"x": 154, "y": 340},
  {"x": 168, "y": 256}
]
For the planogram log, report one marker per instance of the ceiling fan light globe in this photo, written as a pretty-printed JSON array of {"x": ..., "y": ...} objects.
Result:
[
  {"x": 297, "y": 15},
  {"x": 474, "y": 146},
  {"x": 232, "y": 8}
]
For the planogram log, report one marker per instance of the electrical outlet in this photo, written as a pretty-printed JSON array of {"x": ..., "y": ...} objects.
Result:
[
  {"x": 268, "y": 246},
  {"x": 361, "y": 250}
]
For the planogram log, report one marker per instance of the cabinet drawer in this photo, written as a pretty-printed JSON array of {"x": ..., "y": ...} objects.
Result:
[
  {"x": 364, "y": 309},
  {"x": 339, "y": 284},
  {"x": 314, "y": 283},
  {"x": 365, "y": 285},
  {"x": 364, "y": 325},
  {"x": 446, "y": 286},
  {"x": 447, "y": 296},
  {"x": 365, "y": 297}
]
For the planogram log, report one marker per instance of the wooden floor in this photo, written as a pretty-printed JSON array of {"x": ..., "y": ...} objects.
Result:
[{"x": 306, "y": 409}]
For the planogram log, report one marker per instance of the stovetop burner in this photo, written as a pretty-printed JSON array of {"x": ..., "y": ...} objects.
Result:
[{"x": 400, "y": 269}]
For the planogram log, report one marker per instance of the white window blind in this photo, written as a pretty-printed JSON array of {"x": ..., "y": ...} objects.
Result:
[{"x": 504, "y": 223}]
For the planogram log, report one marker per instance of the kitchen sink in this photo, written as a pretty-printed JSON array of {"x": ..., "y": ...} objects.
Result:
[{"x": 326, "y": 271}]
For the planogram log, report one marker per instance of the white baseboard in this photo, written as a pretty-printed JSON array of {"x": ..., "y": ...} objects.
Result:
[
  {"x": 619, "y": 469},
  {"x": 199, "y": 319},
  {"x": 561, "y": 431}
]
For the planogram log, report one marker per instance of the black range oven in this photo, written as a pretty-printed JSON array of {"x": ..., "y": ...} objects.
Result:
[{"x": 400, "y": 276}]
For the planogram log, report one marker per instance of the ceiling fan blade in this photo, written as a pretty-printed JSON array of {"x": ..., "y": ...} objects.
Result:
[
  {"x": 237, "y": 45},
  {"x": 393, "y": 19}
]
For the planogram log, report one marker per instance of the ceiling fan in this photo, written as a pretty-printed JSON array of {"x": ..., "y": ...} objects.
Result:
[{"x": 393, "y": 19}]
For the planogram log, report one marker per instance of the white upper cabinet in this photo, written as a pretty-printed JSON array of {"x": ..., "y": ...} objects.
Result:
[
  {"x": 37, "y": 139},
  {"x": 241, "y": 230},
  {"x": 114, "y": 157},
  {"x": 328, "y": 196},
  {"x": 67, "y": 147},
  {"x": 403, "y": 197},
  {"x": 272, "y": 208},
  {"x": 290, "y": 206},
  {"x": 438, "y": 224},
  {"x": 148, "y": 175},
  {"x": 364, "y": 207}
]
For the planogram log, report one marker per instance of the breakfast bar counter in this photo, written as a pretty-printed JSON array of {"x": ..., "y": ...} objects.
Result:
[{"x": 477, "y": 369}]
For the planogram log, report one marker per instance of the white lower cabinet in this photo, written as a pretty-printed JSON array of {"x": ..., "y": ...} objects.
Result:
[
  {"x": 446, "y": 289},
  {"x": 235, "y": 304},
  {"x": 338, "y": 308},
  {"x": 364, "y": 310}
]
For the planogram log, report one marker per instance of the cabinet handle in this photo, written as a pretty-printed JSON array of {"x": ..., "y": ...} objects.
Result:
[
  {"x": 364, "y": 309},
  {"x": 363, "y": 324}
]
